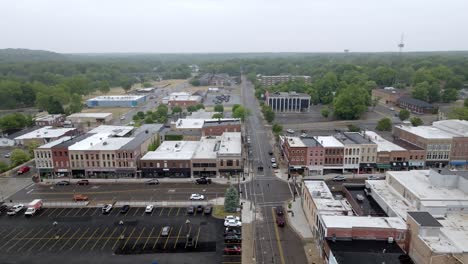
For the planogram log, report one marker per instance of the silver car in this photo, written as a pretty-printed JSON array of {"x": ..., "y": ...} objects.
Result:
[{"x": 165, "y": 231}]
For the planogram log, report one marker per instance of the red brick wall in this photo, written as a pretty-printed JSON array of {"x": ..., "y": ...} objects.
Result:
[
  {"x": 182, "y": 103},
  {"x": 459, "y": 149},
  {"x": 60, "y": 161},
  {"x": 219, "y": 130}
]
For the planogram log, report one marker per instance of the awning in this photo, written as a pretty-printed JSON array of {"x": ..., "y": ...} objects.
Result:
[
  {"x": 367, "y": 165},
  {"x": 399, "y": 164},
  {"x": 383, "y": 166},
  {"x": 458, "y": 162}
]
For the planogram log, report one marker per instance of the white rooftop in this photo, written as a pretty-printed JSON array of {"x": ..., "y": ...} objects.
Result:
[
  {"x": 383, "y": 144},
  {"x": 47, "y": 117},
  {"x": 111, "y": 143},
  {"x": 453, "y": 126},
  {"x": 295, "y": 142},
  {"x": 396, "y": 204},
  {"x": 46, "y": 132},
  {"x": 343, "y": 221},
  {"x": 329, "y": 141},
  {"x": 190, "y": 123},
  {"x": 173, "y": 150},
  {"x": 201, "y": 114},
  {"x": 428, "y": 132},
  {"x": 117, "y": 97},
  {"x": 89, "y": 142},
  {"x": 119, "y": 131},
  {"x": 182, "y": 96},
  {"x": 89, "y": 115},
  {"x": 324, "y": 200},
  {"x": 231, "y": 144},
  {"x": 207, "y": 149},
  {"x": 55, "y": 142}
]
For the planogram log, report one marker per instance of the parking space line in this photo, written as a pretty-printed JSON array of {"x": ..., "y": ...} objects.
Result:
[
  {"x": 66, "y": 242},
  {"x": 52, "y": 212},
  {"x": 86, "y": 211},
  {"x": 118, "y": 238},
  {"x": 89, "y": 238},
  {"x": 143, "y": 230},
  {"x": 76, "y": 242},
  {"x": 99, "y": 239},
  {"x": 18, "y": 240},
  {"x": 9, "y": 239},
  {"x": 169, "y": 213},
  {"x": 126, "y": 241},
  {"x": 190, "y": 230},
  {"x": 178, "y": 210},
  {"x": 97, "y": 209},
  {"x": 79, "y": 210},
  {"x": 198, "y": 235},
  {"x": 177, "y": 239},
  {"x": 152, "y": 212},
  {"x": 34, "y": 236},
  {"x": 60, "y": 237},
  {"x": 115, "y": 229},
  {"x": 144, "y": 211},
  {"x": 4, "y": 231},
  {"x": 162, "y": 210},
  {"x": 63, "y": 209},
  {"x": 152, "y": 229},
  {"x": 39, "y": 239},
  {"x": 167, "y": 239},
  {"x": 48, "y": 240}
]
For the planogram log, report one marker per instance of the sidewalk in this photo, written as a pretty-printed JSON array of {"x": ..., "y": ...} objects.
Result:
[{"x": 248, "y": 244}]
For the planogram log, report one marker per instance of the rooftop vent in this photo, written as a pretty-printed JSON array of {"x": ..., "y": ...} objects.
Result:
[{"x": 105, "y": 143}]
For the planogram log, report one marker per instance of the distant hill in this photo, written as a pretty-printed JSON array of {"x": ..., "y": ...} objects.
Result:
[{"x": 17, "y": 55}]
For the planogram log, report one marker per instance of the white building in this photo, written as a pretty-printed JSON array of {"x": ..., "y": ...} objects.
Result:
[{"x": 44, "y": 135}]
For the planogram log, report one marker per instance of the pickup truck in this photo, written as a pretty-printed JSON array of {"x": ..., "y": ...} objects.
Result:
[{"x": 33, "y": 207}]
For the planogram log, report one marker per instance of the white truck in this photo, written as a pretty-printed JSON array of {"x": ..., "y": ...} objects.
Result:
[{"x": 33, "y": 207}]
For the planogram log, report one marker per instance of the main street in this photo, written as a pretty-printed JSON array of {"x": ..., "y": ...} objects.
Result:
[{"x": 272, "y": 245}]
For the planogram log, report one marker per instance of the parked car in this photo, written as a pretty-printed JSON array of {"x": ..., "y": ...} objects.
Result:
[
  {"x": 149, "y": 209},
  {"x": 80, "y": 197},
  {"x": 274, "y": 166},
  {"x": 208, "y": 210},
  {"x": 200, "y": 209},
  {"x": 232, "y": 239},
  {"x": 15, "y": 209},
  {"x": 196, "y": 196},
  {"x": 125, "y": 209},
  {"x": 290, "y": 131},
  {"x": 7, "y": 155},
  {"x": 232, "y": 223},
  {"x": 232, "y": 250},
  {"x": 232, "y": 231},
  {"x": 280, "y": 216},
  {"x": 62, "y": 183},
  {"x": 33, "y": 207},
  {"x": 23, "y": 170},
  {"x": 106, "y": 208},
  {"x": 152, "y": 182},
  {"x": 231, "y": 217},
  {"x": 189, "y": 241},
  {"x": 339, "y": 178},
  {"x": 190, "y": 210},
  {"x": 165, "y": 231},
  {"x": 373, "y": 177},
  {"x": 273, "y": 160},
  {"x": 270, "y": 152},
  {"x": 260, "y": 168},
  {"x": 203, "y": 180},
  {"x": 82, "y": 182}
]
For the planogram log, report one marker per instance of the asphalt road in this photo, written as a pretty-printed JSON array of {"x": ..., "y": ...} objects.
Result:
[
  {"x": 121, "y": 192},
  {"x": 266, "y": 191}
]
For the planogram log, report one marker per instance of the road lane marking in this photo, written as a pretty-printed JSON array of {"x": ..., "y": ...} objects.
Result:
[
  {"x": 168, "y": 236},
  {"x": 139, "y": 237},
  {"x": 29, "y": 186},
  {"x": 118, "y": 238},
  {"x": 34, "y": 236},
  {"x": 99, "y": 239},
  {"x": 60, "y": 237},
  {"x": 144, "y": 212},
  {"x": 144, "y": 246},
  {"x": 115, "y": 229},
  {"x": 39, "y": 240},
  {"x": 66, "y": 242},
  {"x": 69, "y": 211},
  {"x": 152, "y": 212},
  {"x": 89, "y": 238},
  {"x": 245, "y": 188},
  {"x": 126, "y": 241},
  {"x": 30, "y": 191},
  {"x": 177, "y": 239},
  {"x": 198, "y": 235},
  {"x": 48, "y": 240},
  {"x": 17, "y": 241},
  {"x": 277, "y": 236},
  {"x": 76, "y": 242},
  {"x": 161, "y": 211}
]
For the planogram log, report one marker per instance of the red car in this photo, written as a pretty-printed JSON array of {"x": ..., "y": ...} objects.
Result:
[
  {"x": 279, "y": 216},
  {"x": 232, "y": 250},
  {"x": 24, "y": 170}
]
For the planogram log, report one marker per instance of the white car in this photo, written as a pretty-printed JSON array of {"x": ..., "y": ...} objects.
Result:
[
  {"x": 197, "y": 196},
  {"x": 290, "y": 131},
  {"x": 149, "y": 209},
  {"x": 304, "y": 135},
  {"x": 373, "y": 177},
  {"x": 231, "y": 217},
  {"x": 274, "y": 165},
  {"x": 15, "y": 209},
  {"x": 232, "y": 223},
  {"x": 122, "y": 118},
  {"x": 106, "y": 208},
  {"x": 273, "y": 160}
]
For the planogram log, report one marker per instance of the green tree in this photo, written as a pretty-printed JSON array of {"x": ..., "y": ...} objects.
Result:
[
  {"x": 353, "y": 128},
  {"x": 3, "y": 166},
  {"x": 277, "y": 129},
  {"x": 234, "y": 107},
  {"x": 149, "y": 120},
  {"x": 75, "y": 104},
  {"x": 219, "y": 108},
  {"x": 465, "y": 103},
  {"x": 191, "y": 108},
  {"x": 13, "y": 121},
  {"x": 433, "y": 93},
  {"x": 325, "y": 112},
  {"x": 54, "y": 106},
  {"x": 18, "y": 157},
  {"x": 421, "y": 91},
  {"x": 104, "y": 87},
  {"x": 351, "y": 102},
  {"x": 384, "y": 124},
  {"x": 199, "y": 106},
  {"x": 231, "y": 200},
  {"x": 31, "y": 148},
  {"x": 404, "y": 114},
  {"x": 459, "y": 113},
  {"x": 241, "y": 113},
  {"x": 147, "y": 85},
  {"x": 416, "y": 121},
  {"x": 217, "y": 116},
  {"x": 449, "y": 95},
  {"x": 383, "y": 75},
  {"x": 176, "y": 109},
  {"x": 268, "y": 114}
]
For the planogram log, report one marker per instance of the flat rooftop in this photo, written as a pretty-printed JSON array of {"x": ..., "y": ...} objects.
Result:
[
  {"x": 189, "y": 123},
  {"x": 367, "y": 206},
  {"x": 208, "y": 148},
  {"x": 358, "y": 138},
  {"x": 383, "y": 145},
  {"x": 173, "y": 150},
  {"x": 111, "y": 144},
  {"x": 295, "y": 142},
  {"x": 46, "y": 132},
  {"x": 231, "y": 144},
  {"x": 222, "y": 121},
  {"x": 89, "y": 142},
  {"x": 428, "y": 132},
  {"x": 329, "y": 142},
  {"x": 310, "y": 142},
  {"x": 182, "y": 96},
  {"x": 453, "y": 126},
  {"x": 324, "y": 199},
  {"x": 117, "y": 98},
  {"x": 344, "y": 221},
  {"x": 118, "y": 131},
  {"x": 55, "y": 142},
  {"x": 288, "y": 95},
  {"x": 47, "y": 117},
  {"x": 90, "y": 115}
]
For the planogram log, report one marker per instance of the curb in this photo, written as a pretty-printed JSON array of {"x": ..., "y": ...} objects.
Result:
[{"x": 305, "y": 240}]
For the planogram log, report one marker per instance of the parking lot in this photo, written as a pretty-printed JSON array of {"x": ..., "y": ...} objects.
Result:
[{"x": 64, "y": 232}]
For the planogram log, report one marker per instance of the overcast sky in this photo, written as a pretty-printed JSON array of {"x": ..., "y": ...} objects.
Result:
[{"x": 72, "y": 26}]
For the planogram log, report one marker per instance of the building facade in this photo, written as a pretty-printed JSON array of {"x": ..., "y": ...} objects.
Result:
[
  {"x": 288, "y": 102},
  {"x": 415, "y": 105},
  {"x": 116, "y": 101},
  {"x": 277, "y": 79},
  {"x": 50, "y": 120},
  {"x": 388, "y": 95}
]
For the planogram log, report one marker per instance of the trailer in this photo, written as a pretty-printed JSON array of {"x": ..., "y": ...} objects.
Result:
[{"x": 33, "y": 207}]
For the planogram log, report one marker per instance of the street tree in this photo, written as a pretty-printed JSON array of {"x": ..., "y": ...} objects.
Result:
[
  {"x": 325, "y": 112},
  {"x": 404, "y": 114},
  {"x": 231, "y": 200},
  {"x": 277, "y": 129},
  {"x": 353, "y": 128},
  {"x": 219, "y": 108},
  {"x": 176, "y": 109},
  {"x": 384, "y": 124},
  {"x": 241, "y": 113},
  {"x": 416, "y": 121},
  {"x": 234, "y": 107},
  {"x": 18, "y": 157},
  {"x": 217, "y": 116}
]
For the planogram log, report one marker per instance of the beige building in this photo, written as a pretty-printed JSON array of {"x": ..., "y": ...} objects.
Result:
[{"x": 88, "y": 121}]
